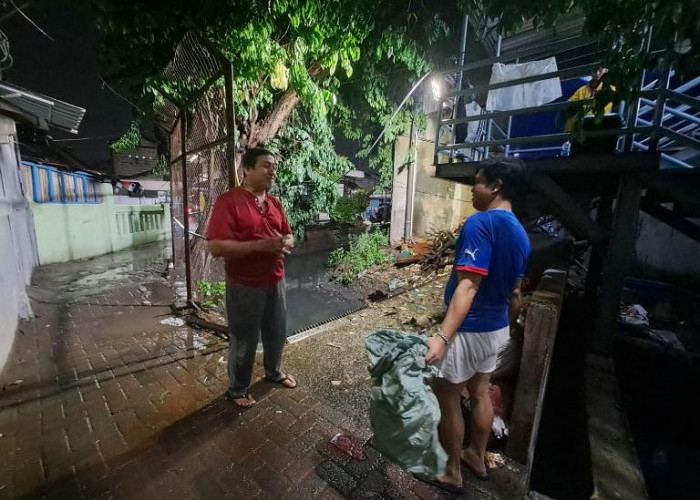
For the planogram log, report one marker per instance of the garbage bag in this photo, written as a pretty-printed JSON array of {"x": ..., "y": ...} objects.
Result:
[{"x": 404, "y": 412}]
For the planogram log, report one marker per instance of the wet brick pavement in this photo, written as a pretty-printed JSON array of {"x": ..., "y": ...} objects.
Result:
[{"x": 102, "y": 401}]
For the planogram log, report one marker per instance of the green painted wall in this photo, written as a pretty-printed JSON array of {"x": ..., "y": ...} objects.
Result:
[{"x": 76, "y": 231}]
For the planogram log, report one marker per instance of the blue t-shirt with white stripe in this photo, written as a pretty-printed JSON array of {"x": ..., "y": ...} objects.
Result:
[{"x": 495, "y": 245}]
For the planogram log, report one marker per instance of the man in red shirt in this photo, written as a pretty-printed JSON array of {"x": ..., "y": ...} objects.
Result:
[{"x": 249, "y": 229}]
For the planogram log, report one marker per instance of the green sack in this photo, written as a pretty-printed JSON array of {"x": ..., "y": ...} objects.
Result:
[{"x": 404, "y": 411}]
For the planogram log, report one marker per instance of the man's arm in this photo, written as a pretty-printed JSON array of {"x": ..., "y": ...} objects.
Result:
[
  {"x": 516, "y": 304},
  {"x": 460, "y": 305},
  {"x": 233, "y": 249},
  {"x": 514, "y": 309}
]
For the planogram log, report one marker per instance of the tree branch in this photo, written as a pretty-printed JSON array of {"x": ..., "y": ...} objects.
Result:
[{"x": 267, "y": 129}]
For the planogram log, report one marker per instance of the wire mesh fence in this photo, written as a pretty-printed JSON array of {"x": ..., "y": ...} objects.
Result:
[{"x": 197, "y": 111}]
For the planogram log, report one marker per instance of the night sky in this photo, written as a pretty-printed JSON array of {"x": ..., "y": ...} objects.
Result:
[{"x": 66, "y": 69}]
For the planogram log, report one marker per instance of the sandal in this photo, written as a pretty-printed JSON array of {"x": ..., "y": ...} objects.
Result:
[
  {"x": 450, "y": 488},
  {"x": 282, "y": 379}
]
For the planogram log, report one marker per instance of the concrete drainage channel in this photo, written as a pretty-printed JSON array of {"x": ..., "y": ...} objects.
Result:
[{"x": 221, "y": 331}]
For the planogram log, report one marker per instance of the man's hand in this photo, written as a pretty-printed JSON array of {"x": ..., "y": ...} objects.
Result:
[
  {"x": 436, "y": 350},
  {"x": 273, "y": 246},
  {"x": 288, "y": 241}
]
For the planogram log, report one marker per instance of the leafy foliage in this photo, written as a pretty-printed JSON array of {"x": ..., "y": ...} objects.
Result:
[
  {"x": 129, "y": 141},
  {"x": 347, "y": 209},
  {"x": 365, "y": 250},
  {"x": 212, "y": 294},
  {"x": 302, "y": 69},
  {"x": 309, "y": 171},
  {"x": 621, "y": 26},
  {"x": 162, "y": 168}
]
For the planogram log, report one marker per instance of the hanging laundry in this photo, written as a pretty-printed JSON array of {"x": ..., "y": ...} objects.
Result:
[{"x": 525, "y": 95}]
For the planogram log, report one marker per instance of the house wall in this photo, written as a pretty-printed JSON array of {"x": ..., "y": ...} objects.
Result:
[
  {"x": 77, "y": 231},
  {"x": 136, "y": 161},
  {"x": 17, "y": 246},
  {"x": 664, "y": 254},
  {"x": 438, "y": 204}
]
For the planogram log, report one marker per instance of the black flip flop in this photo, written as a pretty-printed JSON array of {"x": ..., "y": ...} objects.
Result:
[
  {"x": 450, "y": 488},
  {"x": 282, "y": 379}
]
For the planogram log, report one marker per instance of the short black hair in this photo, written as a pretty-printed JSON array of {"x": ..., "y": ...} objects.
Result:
[
  {"x": 250, "y": 157},
  {"x": 511, "y": 173}
]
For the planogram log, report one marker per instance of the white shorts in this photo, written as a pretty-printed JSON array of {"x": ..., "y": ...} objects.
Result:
[{"x": 470, "y": 353}]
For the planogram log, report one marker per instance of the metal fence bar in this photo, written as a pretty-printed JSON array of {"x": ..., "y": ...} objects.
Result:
[
  {"x": 545, "y": 138},
  {"x": 562, "y": 74},
  {"x": 185, "y": 203},
  {"x": 233, "y": 180}
]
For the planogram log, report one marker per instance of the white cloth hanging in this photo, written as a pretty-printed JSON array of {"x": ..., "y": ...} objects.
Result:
[{"x": 525, "y": 95}]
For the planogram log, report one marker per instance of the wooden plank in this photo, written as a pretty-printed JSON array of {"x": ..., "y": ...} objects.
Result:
[
  {"x": 570, "y": 212},
  {"x": 595, "y": 262},
  {"x": 541, "y": 325},
  {"x": 677, "y": 187},
  {"x": 611, "y": 163},
  {"x": 676, "y": 221},
  {"x": 620, "y": 252}
]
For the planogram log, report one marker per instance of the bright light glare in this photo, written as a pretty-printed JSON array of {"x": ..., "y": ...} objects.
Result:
[{"x": 437, "y": 90}]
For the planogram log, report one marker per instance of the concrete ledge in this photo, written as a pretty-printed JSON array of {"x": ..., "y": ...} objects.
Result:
[{"x": 614, "y": 464}]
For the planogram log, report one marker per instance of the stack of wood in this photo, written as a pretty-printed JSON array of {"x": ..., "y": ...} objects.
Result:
[{"x": 442, "y": 251}]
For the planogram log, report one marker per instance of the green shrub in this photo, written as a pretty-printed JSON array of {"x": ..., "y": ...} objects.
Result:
[
  {"x": 365, "y": 250},
  {"x": 347, "y": 209},
  {"x": 212, "y": 294}
]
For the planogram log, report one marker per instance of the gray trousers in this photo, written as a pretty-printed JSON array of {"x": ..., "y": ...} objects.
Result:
[{"x": 252, "y": 313}]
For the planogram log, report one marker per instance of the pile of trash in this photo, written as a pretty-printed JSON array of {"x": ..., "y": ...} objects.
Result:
[
  {"x": 634, "y": 319},
  {"x": 432, "y": 253}
]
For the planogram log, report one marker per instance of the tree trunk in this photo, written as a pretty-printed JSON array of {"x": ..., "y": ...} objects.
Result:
[{"x": 263, "y": 131}]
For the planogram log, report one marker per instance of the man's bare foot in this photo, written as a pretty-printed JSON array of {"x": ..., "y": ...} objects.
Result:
[
  {"x": 451, "y": 480},
  {"x": 475, "y": 464},
  {"x": 244, "y": 402}
]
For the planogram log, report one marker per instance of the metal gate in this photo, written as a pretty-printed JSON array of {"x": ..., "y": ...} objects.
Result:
[{"x": 197, "y": 110}]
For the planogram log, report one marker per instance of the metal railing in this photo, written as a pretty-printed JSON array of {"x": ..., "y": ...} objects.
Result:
[{"x": 660, "y": 119}]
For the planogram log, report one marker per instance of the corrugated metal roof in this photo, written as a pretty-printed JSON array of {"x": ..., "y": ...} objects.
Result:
[
  {"x": 56, "y": 113},
  {"x": 533, "y": 43}
]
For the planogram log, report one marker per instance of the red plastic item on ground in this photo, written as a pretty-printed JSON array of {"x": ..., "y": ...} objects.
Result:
[
  {"x": 496, "y": 399},
  {"x": 344, "y": 444}
]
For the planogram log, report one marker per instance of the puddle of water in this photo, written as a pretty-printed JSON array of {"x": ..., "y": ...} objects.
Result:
[{"x": 115, "y": 274}]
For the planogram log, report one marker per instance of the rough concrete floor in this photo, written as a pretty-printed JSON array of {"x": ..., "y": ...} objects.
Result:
[{"x": 102, "y": 400}]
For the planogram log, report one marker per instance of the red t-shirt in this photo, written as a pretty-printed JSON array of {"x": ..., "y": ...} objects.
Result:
[{"x": 237, "y": 217}]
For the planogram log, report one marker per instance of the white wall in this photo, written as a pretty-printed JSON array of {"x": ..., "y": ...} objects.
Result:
[
  {"x": 664, "y": 253},
  {"x": 438, "y": 204},
  {"x": 17, "y": 244}
]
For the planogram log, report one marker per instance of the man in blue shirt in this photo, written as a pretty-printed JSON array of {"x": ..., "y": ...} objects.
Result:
[{"x": 491, "y": 254}]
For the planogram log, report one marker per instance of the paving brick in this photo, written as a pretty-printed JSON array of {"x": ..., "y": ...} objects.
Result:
[
  {"x": 204, "y": 487},
  {"x": 111, "y": 444},
  {"x": 301, "y": 467},
  {"x": 303, "y": 424},
  {"x": 329, "y": 494},
  {"x": 425, "y": 491},
  {"x": 271, "y": 481},
  {"x": 303, "y": 444},
  {"x": 130, "y": 427},
  {"x": 336, "y": 477},
  {"x": 360, "y": 469},
  {"x": 370, "y": 486},
  {"x": 312, "y": 486},
  {"x": 27, "y": 476},
  {"x": 278, "y": 434}
]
